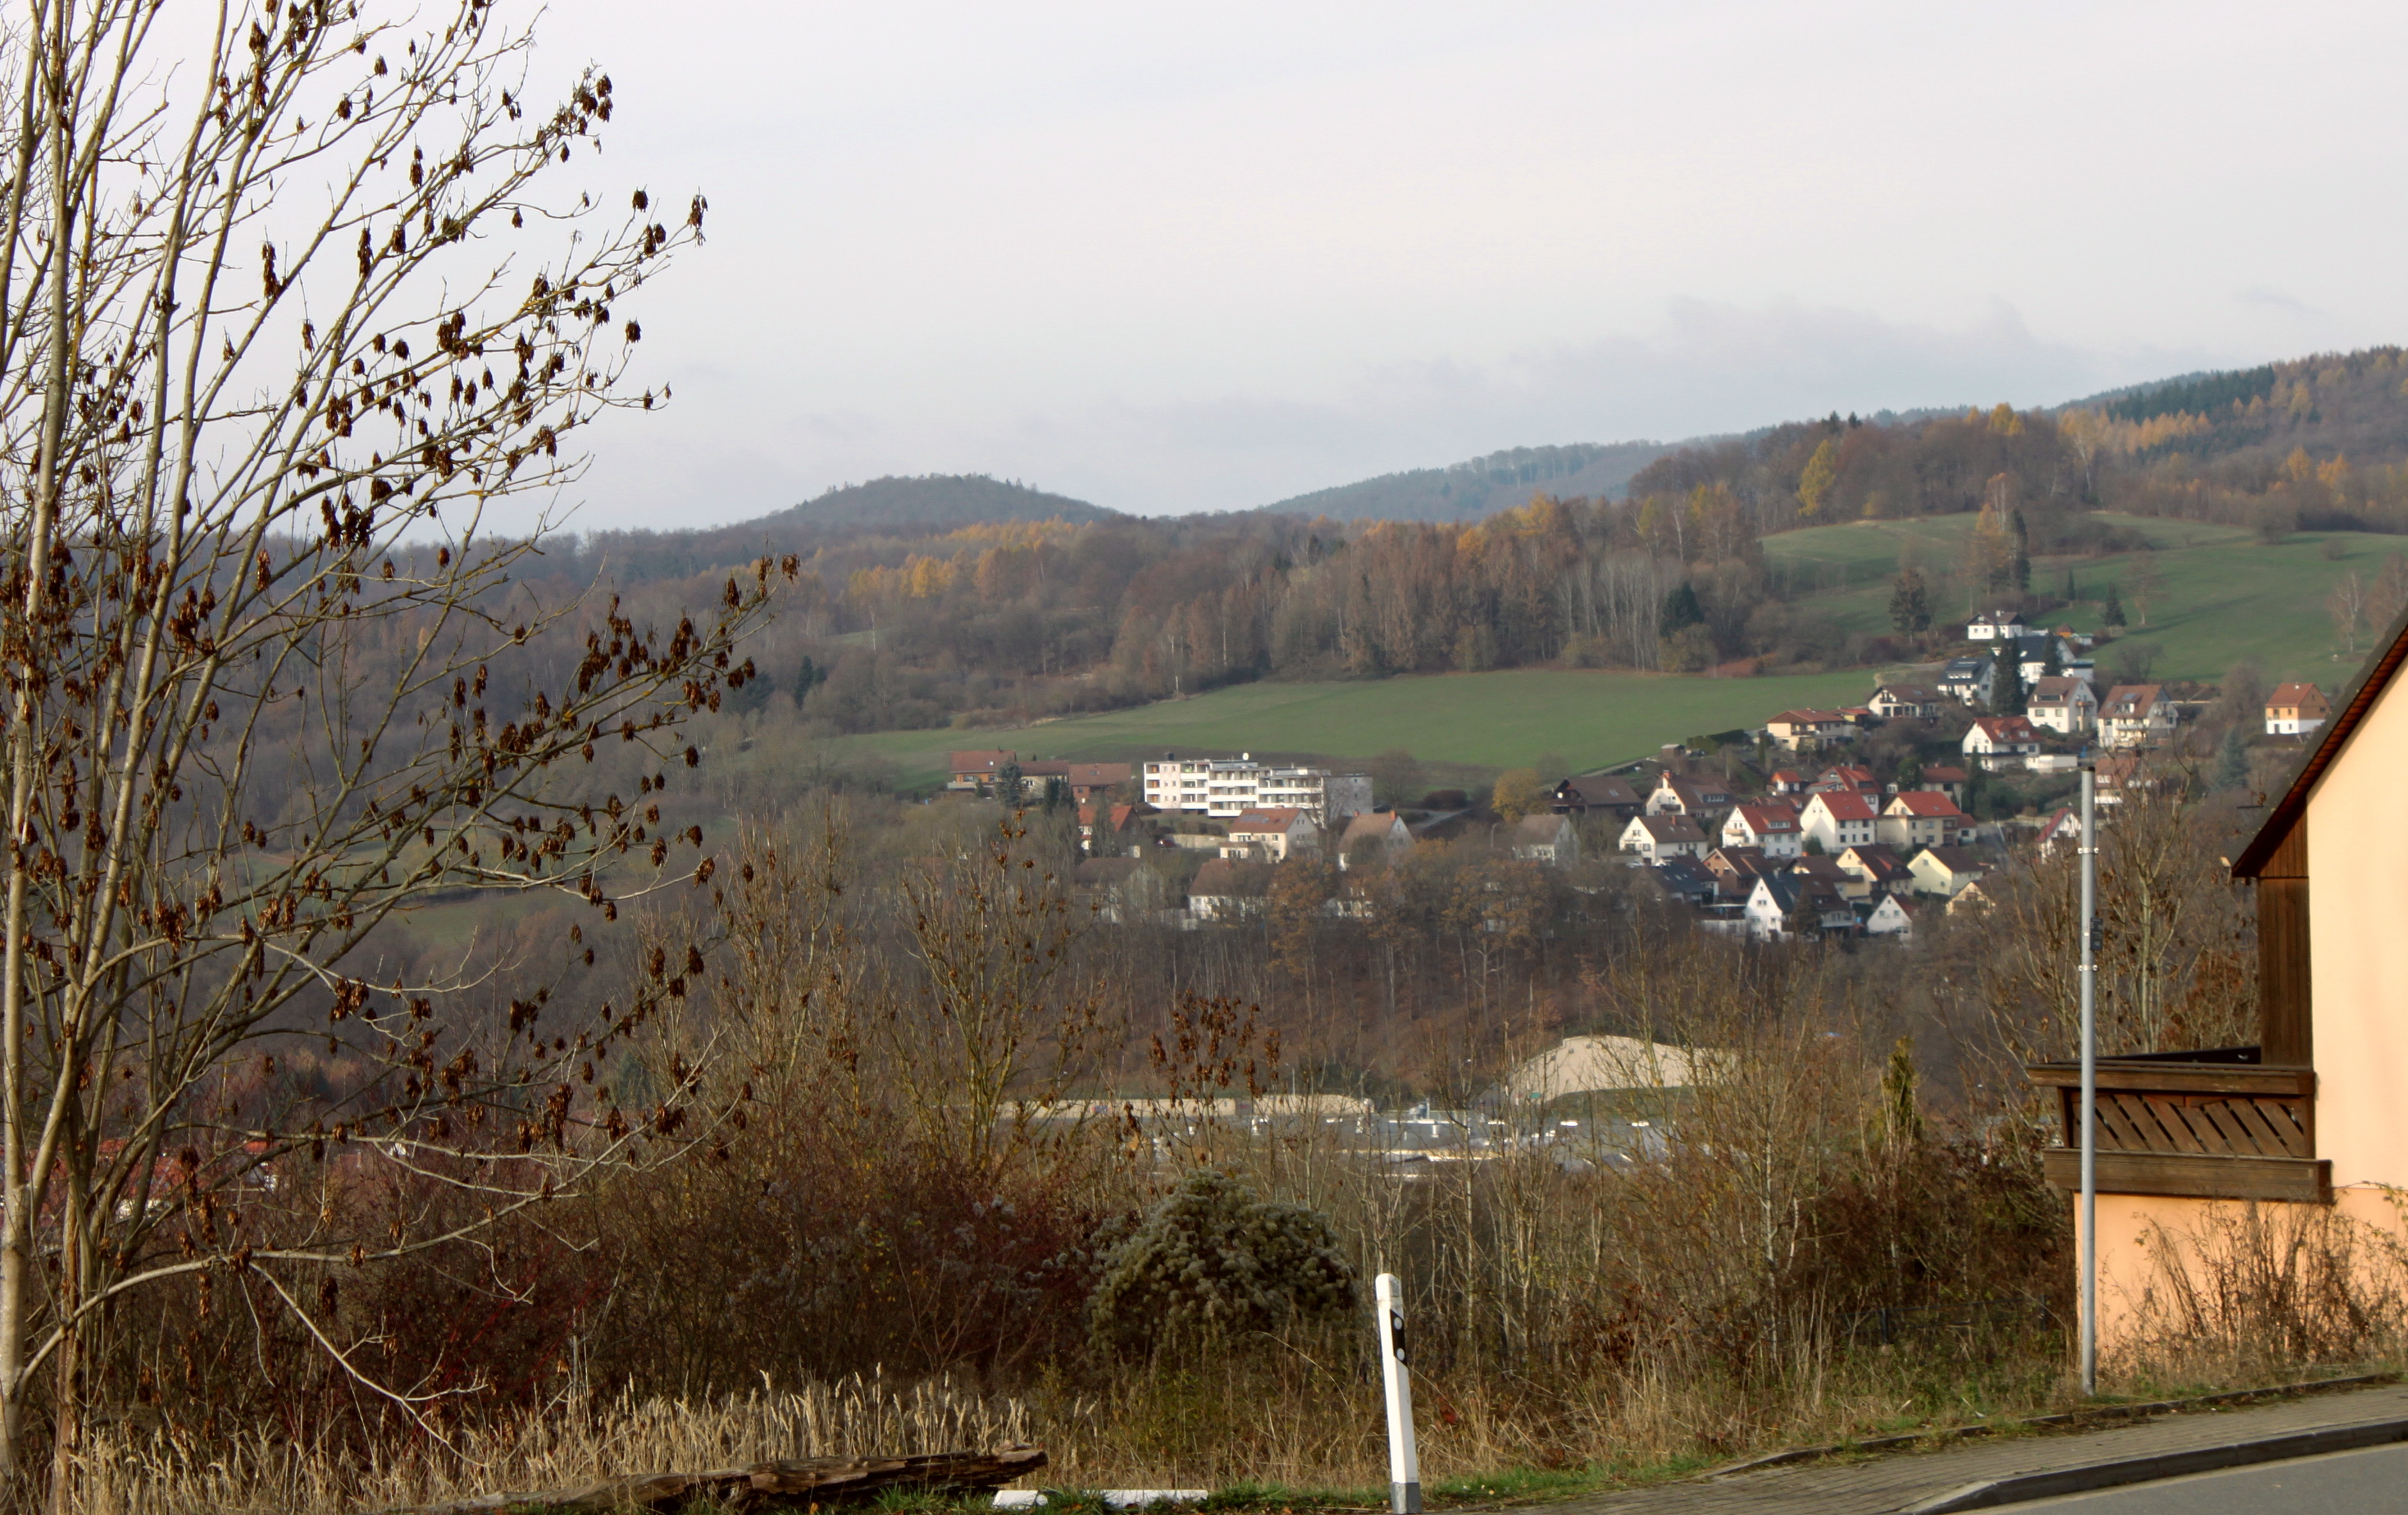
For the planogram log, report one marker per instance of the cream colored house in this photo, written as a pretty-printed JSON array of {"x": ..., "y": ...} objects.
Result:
[
  {"x": 2313, "y": 1115},
  {"x": 2296, "y": 709}
]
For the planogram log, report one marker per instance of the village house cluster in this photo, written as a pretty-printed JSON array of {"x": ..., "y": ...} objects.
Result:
[{"x": 1820, "y": 847}]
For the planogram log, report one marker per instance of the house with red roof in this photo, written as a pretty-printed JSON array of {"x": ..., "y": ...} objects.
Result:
[
  {"x": 1923, "y": 818},
  {"x": 1772, "y": 826},
  {"x": 2000, "y": 741},
  {"x": 1838, "y": 821}
]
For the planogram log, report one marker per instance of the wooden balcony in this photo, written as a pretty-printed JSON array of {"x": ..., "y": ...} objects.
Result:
[{"x": 2216, "y": 1125}]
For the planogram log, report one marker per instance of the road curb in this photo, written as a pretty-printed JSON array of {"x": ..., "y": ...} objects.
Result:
[
  {"x": 2054, "y": 1482},
  {"x": 2088, "y": 1415}
]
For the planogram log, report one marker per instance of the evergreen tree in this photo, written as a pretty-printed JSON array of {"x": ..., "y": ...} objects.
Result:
[
  {"x": 2019, "y": 558},
  {"x": 2070, "y": 596},
  {"x": 806, "y": 678},
  {"x": 1910, "y": 604},
  {"x": 2110, "y": 615},
  {"x": 2233, "y": 759},
  {"x": 2008, "y": 695},
  {"x": 1682, "y": 610}
]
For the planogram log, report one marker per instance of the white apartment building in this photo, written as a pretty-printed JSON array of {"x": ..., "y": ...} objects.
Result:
[{"x": 1227, "y": 788}]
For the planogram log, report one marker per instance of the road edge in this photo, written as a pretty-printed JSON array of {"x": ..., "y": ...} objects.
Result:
[{"x": 2051, "y": 1484}]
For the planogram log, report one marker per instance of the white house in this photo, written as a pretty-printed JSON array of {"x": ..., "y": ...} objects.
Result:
[
  {"x": 1703, "y": 800},
  {"x": 2000, "y": 741},
  {"x": 1778, "y": 899},
  {"x": 1893, "y": 702},
  {"x": 1890, "y": 917},
  {"x": 1275, "y": 834},
  {"x": 1995, "y": 625},
  {"x": 1967, "y": 680},
  {"x": 1922, "y": 818},
  {"x": 1546, "y": 838},
  {"x": 2296, "y": 709},
  {"x": 1772, "y": 827},
  {"x": 1224, "y": 890},
  {"x": 1839, "y": 821},
  {"x": 1804, "y": 729},
  {"x": 1656, "y": 838},
  {"x": 1946, "y": 871},
  {"x": 1373, "y": 834},
  {"x": 2135, "y": 715},
  {"x": 2065, "y": 705}
]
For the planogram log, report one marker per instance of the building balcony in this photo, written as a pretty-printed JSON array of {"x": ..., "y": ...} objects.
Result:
[{"x": 2213, "y": 1124}]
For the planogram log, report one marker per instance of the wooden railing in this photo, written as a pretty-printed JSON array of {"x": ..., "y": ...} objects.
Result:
[{"x": 2209, "y": 1126}]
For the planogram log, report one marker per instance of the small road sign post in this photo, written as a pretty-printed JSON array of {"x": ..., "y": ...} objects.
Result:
[{"x": 1397, "y": 1378}]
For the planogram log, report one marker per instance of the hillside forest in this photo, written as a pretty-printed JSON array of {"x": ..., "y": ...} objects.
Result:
[{"x": 1002, "y": 621}]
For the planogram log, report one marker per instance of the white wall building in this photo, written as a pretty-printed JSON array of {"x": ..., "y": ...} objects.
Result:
[{"x": 1227, "y": 788}]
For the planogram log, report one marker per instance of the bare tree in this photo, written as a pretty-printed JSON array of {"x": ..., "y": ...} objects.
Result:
[
  {"x": 2347, "y": 603},
  {"x": 268, "y": 349}
]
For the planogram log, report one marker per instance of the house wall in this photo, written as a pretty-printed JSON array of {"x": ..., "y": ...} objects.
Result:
[
  {"x": 2358, "y": 978},
  {"x": 2357, "y": 964}
]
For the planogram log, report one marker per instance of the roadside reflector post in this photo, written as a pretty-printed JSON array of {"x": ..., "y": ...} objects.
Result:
[{"x": 1397, "y": 1378}]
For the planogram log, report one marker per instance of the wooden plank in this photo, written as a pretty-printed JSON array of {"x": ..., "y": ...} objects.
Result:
[
  {"x": 2146, "y": 1117},
  {"x": 2237, "y": 1134},
  {"x": 2250, "y": 1078},
  {"x": 2300, "y": 1181},
  {"x": 2274, "y": 1136},
  {"x": 2199, "y": 1115},
  {"x": 2286, "y": 1022},
  {"x": 2117, "y": 1132}
]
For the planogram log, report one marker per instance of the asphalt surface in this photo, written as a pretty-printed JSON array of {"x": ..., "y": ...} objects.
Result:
[{"x": 2371, "y": 1483}]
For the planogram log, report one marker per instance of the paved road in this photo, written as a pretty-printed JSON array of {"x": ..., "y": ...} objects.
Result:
[{"x": 2371, "y": 1483}]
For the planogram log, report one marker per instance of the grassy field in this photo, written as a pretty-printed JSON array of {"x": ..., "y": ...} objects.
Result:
[
  {"x": 2227, "y": 596},
  {"x": 1503, "y": 719}
]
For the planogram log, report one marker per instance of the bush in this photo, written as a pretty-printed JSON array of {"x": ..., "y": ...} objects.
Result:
[{"x": 1212, "y": 1260}]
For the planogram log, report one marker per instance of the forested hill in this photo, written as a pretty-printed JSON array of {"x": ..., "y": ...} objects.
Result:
[
  {"x": 929, "y": 504},
  {"x": 1481, "y": 486}
]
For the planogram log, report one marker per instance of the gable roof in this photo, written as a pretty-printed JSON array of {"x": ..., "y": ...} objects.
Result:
[
  {"x": 1541, "y": 829},
  {"x": 2294, "y": 696},
  {"x": 1773, "y": 818},
  {"x": 2129, "y": 702},
  {"x": 2007, "y": 728},
  {"x": 2373, "y": 676},
  {"x": 1924, "y": 802},
  {"x": 1957, "y": 859},
  {"x": 983, "y": 759},
  {"x": 1943, "y": 776},
  {"x": 1598, "y": 789},
  {"x": 1226, "y": 878},
  {"x": 2059, "y": 690},
  {"x": 1269, "y": 818},
  {"x": 1843, "y": 805},
  {"x": 1879, "y": 860},
  {"x": 1907, "y": 693},
  {"x": 1378, "y": 825},
  {"x": 1670, "y": 828}
]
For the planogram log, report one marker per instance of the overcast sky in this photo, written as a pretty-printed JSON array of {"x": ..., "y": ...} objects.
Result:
[{"x": 1179, "y": 258}]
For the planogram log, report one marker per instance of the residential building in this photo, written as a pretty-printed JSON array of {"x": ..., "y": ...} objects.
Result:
[
  {"x": 1890, "y": 916},
  {"x": 1105, "y": 829},
  {"x": 1687, "y": 880},
  {"x": 1972, "y": 897},
  {"x": 1373, "y": 835},
  {"x": 1275, "y": 834},
  {"x": 1922, "y": 818},
  {"x": 1227, "y": 890},
  {"x": 1799, "y": 731},
  {"x": 2317, "y": 1130},
  {"x": 2000, "y": 741},
  {"x": 1546, "y": 838},
  {"x": 1782, "y": 903},
  {"x": 1227, "y": 788},
  {"x": 1735, "y": 869},
  {"x": 1950, "y": 782},
  {"x": 1786, "y": 782},
  {"x": 1845, "y": 778},
  {"x": 1946, "y": 871},
  {"x": 2062, "y": 828},
  {"x": 1772, "y": 827},
  {"x": 1598, "y": 794},
  {"x": 1874, "y": 870},
  {"x": 2064, "y": 705},
  {"x": 2135, "y": 715},
  {"x": 1652, "y": 839},
  {"x": 1089, "y": 781},
  {"x": 976, "y": 769},
  {"x": 2034, "y": 653},
  {"x": 1995, "y": 625},
  {"x": 1839, "y": 821},
  {"x": 1905, "y": 701},
  {"x": 1967, "y": 680},
  {"x": 1702, "y": 800},
  {"x": 2296, "y": 709}
]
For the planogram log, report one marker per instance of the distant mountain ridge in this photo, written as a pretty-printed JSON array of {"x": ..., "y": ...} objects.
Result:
[
  {"x": 1481, "y": 486},
  {"x": 933, "y": 500}
]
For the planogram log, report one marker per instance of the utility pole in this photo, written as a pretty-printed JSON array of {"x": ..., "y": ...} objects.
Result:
[{"x": 2089, "y": 975}]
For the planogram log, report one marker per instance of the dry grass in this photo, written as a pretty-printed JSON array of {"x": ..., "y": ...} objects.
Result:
[{"x": 577, "y": 1440}]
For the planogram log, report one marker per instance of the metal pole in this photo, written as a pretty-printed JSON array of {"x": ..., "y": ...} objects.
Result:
[
  {"x": 1404, "y": 1462},
  {"x": 2090, "y": 1074}
]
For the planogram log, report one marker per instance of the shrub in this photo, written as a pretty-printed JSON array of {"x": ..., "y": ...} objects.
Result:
[{"x": 1211, "y": 1259}]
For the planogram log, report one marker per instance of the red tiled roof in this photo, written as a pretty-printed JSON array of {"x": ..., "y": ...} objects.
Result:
[{"x": 1842, "y": 805}]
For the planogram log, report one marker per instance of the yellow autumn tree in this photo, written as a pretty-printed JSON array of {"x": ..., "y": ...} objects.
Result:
[{"x": 1814, "y": 484}]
